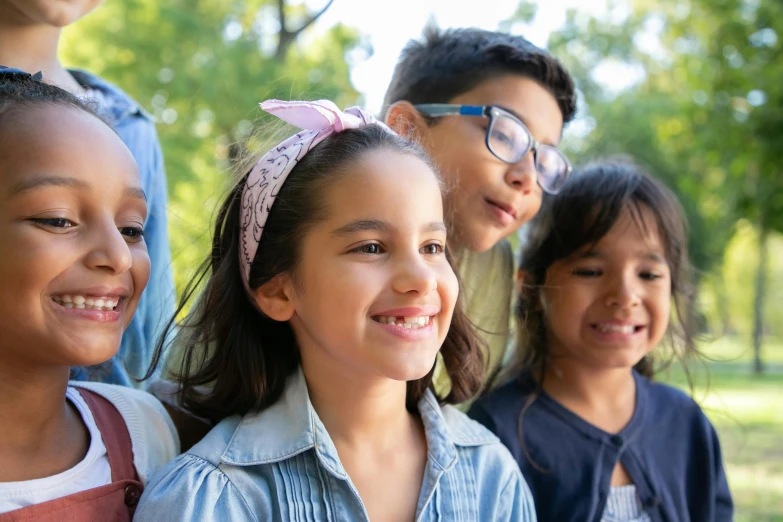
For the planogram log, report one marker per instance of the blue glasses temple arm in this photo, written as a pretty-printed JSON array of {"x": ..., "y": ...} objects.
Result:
[{"x": 446, "y": 109}]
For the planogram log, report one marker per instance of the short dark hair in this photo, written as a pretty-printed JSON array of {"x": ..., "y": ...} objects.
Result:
[
  {"x": 235, "y": 358},
  {"x": 450, "y": 62},
  {"x": 21, "y": 91},
  {"x": 583, "y": 213}
]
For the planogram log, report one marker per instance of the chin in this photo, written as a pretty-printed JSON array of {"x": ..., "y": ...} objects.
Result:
[
  {"x": 483, "y": 241},
  {"x": 409, "y": 371},
  {"x": 90, "y": 354}
]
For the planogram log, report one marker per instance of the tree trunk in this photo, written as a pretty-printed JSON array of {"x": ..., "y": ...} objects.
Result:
[{"x": 758, "y": 301}]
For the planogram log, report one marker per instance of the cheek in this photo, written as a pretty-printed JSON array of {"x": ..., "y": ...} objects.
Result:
[
  {"x": 448, "y": 287},
  {"x": 140, "y": 268}
]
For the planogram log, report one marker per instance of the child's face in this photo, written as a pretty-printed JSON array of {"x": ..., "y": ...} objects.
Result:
[
  {"x": 608, "y": 306},
  {"x": 58, "y": 13},
  {"x": 489, "y": 199},
  {"x": 71, "y": 213},
  {"x": 377, "y": 259}
]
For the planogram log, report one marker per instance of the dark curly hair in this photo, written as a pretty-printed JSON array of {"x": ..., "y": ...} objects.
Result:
[{"x": 19, "y": 91}]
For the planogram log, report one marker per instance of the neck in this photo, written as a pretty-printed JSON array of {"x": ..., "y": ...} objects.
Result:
[
  {"x": 605, "y": 397},
  {"x": 359, "y": 412},
  {"x": 32, "y": 48},
  {"x": 33, "y": 408}
]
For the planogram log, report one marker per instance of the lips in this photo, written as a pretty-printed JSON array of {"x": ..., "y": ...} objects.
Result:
[{"x": 508, "y": 209}]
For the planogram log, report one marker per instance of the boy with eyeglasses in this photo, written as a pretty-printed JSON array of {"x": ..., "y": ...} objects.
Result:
[{"x": 489, "y": 108}]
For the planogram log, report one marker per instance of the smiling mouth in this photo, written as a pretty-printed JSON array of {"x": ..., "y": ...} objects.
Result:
[
  {"x": 88, "y": 302},
  {"x": 409, "y": 322},
  {"x": 626, "y": 329}
]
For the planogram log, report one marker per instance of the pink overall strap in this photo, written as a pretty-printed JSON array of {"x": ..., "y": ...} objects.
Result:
[{"x": 115, "y": 435}]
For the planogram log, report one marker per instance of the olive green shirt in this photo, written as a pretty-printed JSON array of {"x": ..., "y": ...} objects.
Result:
[{"x": 486, "y": 292}]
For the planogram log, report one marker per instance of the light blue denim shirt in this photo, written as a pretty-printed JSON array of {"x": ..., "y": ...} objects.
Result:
[
  {"x": 136, "y": 129},
  {"x": 280, "y": 464}
]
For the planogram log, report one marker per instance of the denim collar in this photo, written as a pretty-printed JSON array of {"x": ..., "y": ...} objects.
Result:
[
  {"x": 291, "y": 426},
  {"x": 119, "y": 105}
]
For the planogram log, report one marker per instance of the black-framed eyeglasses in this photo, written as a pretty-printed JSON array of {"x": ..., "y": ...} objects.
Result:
[{"x": 510, "y": 141}]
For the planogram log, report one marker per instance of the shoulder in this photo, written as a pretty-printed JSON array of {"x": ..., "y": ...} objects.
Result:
[
  {"x": 120, "y": 104},
  {"x": 668, "y": 398},
  {"x": 465, "y": 431},
  {"x": 153, "y": 436},
  {"x": 504, "y": 402},
  {"x": 199, "y": 489},
  {"x": 676, "y": 409},
  {"x": 486, "y": 453}
]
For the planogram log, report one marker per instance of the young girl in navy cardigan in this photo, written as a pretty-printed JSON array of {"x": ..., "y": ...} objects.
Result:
[{"x": 596, "y": 438}]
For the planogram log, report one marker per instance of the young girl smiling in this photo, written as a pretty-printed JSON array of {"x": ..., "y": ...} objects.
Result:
[
  {"x": 329, "y": 297},
  {"x": 74, "y": 265},
  {"x": 596, "y": 438}
]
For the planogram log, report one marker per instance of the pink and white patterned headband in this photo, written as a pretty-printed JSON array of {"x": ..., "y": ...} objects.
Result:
[{"x": 319, "y": 119}]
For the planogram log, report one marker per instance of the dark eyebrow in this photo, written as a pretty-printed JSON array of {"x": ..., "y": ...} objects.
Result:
[
  {"x": 362, "y": 225},
  {"x": 48, "y": 181},
  {"x": 135, "y": 192},
  {"x": 650, "y": 256}
]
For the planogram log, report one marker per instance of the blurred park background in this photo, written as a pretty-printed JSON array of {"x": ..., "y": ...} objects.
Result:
[{"x": 692, "y": 89}]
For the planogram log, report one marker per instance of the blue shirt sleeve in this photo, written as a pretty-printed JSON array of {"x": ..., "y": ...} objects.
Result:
[{"x": 190, "y": 489}]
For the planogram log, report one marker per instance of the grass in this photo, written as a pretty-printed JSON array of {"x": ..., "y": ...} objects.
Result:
[{"x": 746, "y": 410}]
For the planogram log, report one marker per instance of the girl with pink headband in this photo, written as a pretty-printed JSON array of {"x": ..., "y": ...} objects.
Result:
[{"x": 328, "y": 296}]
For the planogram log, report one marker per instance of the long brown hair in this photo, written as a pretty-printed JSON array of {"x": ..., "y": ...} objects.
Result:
[{"x": 235, "y": 358}]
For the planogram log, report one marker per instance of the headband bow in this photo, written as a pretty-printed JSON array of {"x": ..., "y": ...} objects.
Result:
[{"x": 319, "y": 119}]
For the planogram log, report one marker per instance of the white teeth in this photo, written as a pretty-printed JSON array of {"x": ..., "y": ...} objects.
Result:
[
  {"x": 409, "y": 322},
  {"x": 616, "y": 328},
  {"x": 87, "y": 303}
]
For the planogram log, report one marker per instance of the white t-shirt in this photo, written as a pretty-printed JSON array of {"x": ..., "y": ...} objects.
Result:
[{"x": 153, "y": 438}]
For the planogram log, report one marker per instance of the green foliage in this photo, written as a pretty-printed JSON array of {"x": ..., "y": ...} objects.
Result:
[{"x": 201, "y": 67}]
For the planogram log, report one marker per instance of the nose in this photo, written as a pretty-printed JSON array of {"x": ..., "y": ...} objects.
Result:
[
  {"x": 522, "y": 175},
  {"x": 108, "y": 250},
  {"x": 623, "y": 293},
  {"x": 415, "y": 276}
]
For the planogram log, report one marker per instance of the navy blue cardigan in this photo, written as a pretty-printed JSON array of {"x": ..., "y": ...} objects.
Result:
[{"x": 669, "y": 449}]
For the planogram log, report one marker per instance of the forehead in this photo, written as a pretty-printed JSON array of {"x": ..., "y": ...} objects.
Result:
[
  {"x": 525, "y": 98},
  {"x": 389, "y": 185},
  {"x": 633, "y": 230},
  {"x": 61, "y": 140}
]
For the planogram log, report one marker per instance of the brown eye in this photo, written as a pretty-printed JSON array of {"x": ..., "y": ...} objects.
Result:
[{"x": 432, "y": 249}]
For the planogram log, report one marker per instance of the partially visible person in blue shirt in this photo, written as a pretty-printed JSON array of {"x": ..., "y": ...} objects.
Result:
[
  {"x": 38, "y": 23},
  {"x": 595, "y": 438}
]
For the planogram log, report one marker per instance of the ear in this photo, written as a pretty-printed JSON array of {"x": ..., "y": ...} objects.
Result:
[
  {"x": 274, "y": 298},
  {"x": 403, "y": 118}
]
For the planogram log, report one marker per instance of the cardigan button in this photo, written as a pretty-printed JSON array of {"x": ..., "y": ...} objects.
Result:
[
  {"x": 652, "y": 502},
  {"x": 132, "y": 495},
  {"x": 617, "y": 440}
]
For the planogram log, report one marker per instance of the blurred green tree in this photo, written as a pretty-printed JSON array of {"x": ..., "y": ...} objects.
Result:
[{"x": 201, "y": 67}]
